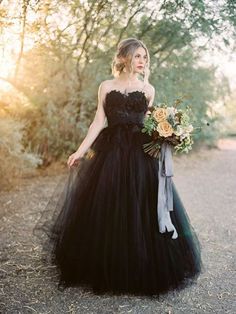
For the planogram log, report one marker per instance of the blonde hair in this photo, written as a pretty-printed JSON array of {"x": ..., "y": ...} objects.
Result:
[{"x": 125, "y": 50}]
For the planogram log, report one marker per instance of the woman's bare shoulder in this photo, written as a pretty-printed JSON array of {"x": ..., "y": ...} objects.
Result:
[
  {"x": 150, "y": 92},
  {"x": 106, "y": 84},
  {"x": 150, "y": 88},
  {"x": 104, "y": 88}
]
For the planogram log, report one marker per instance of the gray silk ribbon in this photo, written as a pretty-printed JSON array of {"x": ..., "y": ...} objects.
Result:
[{"x": 165, "y": 191}]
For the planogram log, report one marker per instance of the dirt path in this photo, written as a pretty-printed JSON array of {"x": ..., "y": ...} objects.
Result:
[{"x": 206, "y": 182}]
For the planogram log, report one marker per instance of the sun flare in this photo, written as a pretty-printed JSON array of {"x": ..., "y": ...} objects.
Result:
[{"x": 7, "y": 67}]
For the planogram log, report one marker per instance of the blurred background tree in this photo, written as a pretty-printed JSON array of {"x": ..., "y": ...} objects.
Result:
[{"x": 54, "y": 55}]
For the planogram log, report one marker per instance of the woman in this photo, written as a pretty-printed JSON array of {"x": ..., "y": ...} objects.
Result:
[{"x": 105, "y": 235}]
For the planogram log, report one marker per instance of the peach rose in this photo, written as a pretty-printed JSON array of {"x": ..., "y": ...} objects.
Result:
[
  {"x": 160, "y": 114},
  {"x": 165, "y": 129}
]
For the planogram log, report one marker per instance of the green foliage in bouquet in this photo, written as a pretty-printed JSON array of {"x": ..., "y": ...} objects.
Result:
[{"x": 166, "y": 123}]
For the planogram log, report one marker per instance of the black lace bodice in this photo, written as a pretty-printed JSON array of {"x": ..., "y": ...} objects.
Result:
[
  {"x": 125, "y": 116},
  {"x": 121, "y": 108}
]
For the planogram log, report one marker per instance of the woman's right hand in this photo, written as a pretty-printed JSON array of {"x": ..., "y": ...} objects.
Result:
[{"x": 74, "y": 159}]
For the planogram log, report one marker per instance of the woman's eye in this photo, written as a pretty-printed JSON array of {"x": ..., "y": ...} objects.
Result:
[{"x": 138, "y": 56}]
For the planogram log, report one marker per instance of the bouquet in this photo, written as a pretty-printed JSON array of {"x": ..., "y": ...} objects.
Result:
[
  {"x": 169, "y": 128},
  {"x": 167, "y": 124}
]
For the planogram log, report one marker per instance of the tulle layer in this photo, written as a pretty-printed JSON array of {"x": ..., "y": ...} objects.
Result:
[{"x": 104, "y": 231}]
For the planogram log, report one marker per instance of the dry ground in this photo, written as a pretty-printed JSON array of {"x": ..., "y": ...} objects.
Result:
[{"x": 206, "y": 182}]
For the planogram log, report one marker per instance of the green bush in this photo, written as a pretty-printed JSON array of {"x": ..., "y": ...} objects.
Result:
[{"x": 15, "y": 161}]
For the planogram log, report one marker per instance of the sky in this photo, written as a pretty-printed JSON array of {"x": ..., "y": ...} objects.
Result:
[{"x": 226, "y": 65}]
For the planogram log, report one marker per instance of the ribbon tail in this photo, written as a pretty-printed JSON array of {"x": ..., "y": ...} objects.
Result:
[
  {"x": 166, "y": 225},
  {"x": 165, "y": 191}
]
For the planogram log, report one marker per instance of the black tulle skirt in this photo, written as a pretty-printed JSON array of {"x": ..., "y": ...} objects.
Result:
[{"x": 103, "y": 231}]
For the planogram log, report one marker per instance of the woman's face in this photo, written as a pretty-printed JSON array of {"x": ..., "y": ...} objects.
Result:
[{"x": 139, "y": 60}]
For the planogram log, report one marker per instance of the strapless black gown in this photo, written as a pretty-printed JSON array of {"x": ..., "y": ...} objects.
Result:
[{"x": 104, "y": 234}]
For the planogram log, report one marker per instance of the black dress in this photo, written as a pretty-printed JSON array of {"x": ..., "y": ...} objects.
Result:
[{"x": 105, "y": 232}]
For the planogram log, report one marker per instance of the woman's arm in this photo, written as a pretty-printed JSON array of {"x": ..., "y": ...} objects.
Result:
[
  {"x": 97, "y": 125},
  {"x": 151, "y": 92},
  {"x": 94, "y": 129}
]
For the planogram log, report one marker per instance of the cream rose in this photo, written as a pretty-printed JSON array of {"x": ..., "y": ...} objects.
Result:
[
  {"x": 165, "y": 129},
  {"x": 160, "y": 114}
]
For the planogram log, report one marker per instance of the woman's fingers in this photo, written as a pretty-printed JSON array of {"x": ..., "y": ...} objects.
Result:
[
  {"x": 70, "y": 160},
  {"x": 71, "y": 164},
  {"x": 73, "y": 160}
]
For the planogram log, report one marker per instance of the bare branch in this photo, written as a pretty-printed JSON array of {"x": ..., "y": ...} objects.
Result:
[{"x": 22, "y": 35}]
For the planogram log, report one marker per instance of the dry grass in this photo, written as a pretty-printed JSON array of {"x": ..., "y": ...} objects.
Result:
[{"x": 206, "y": 183}]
